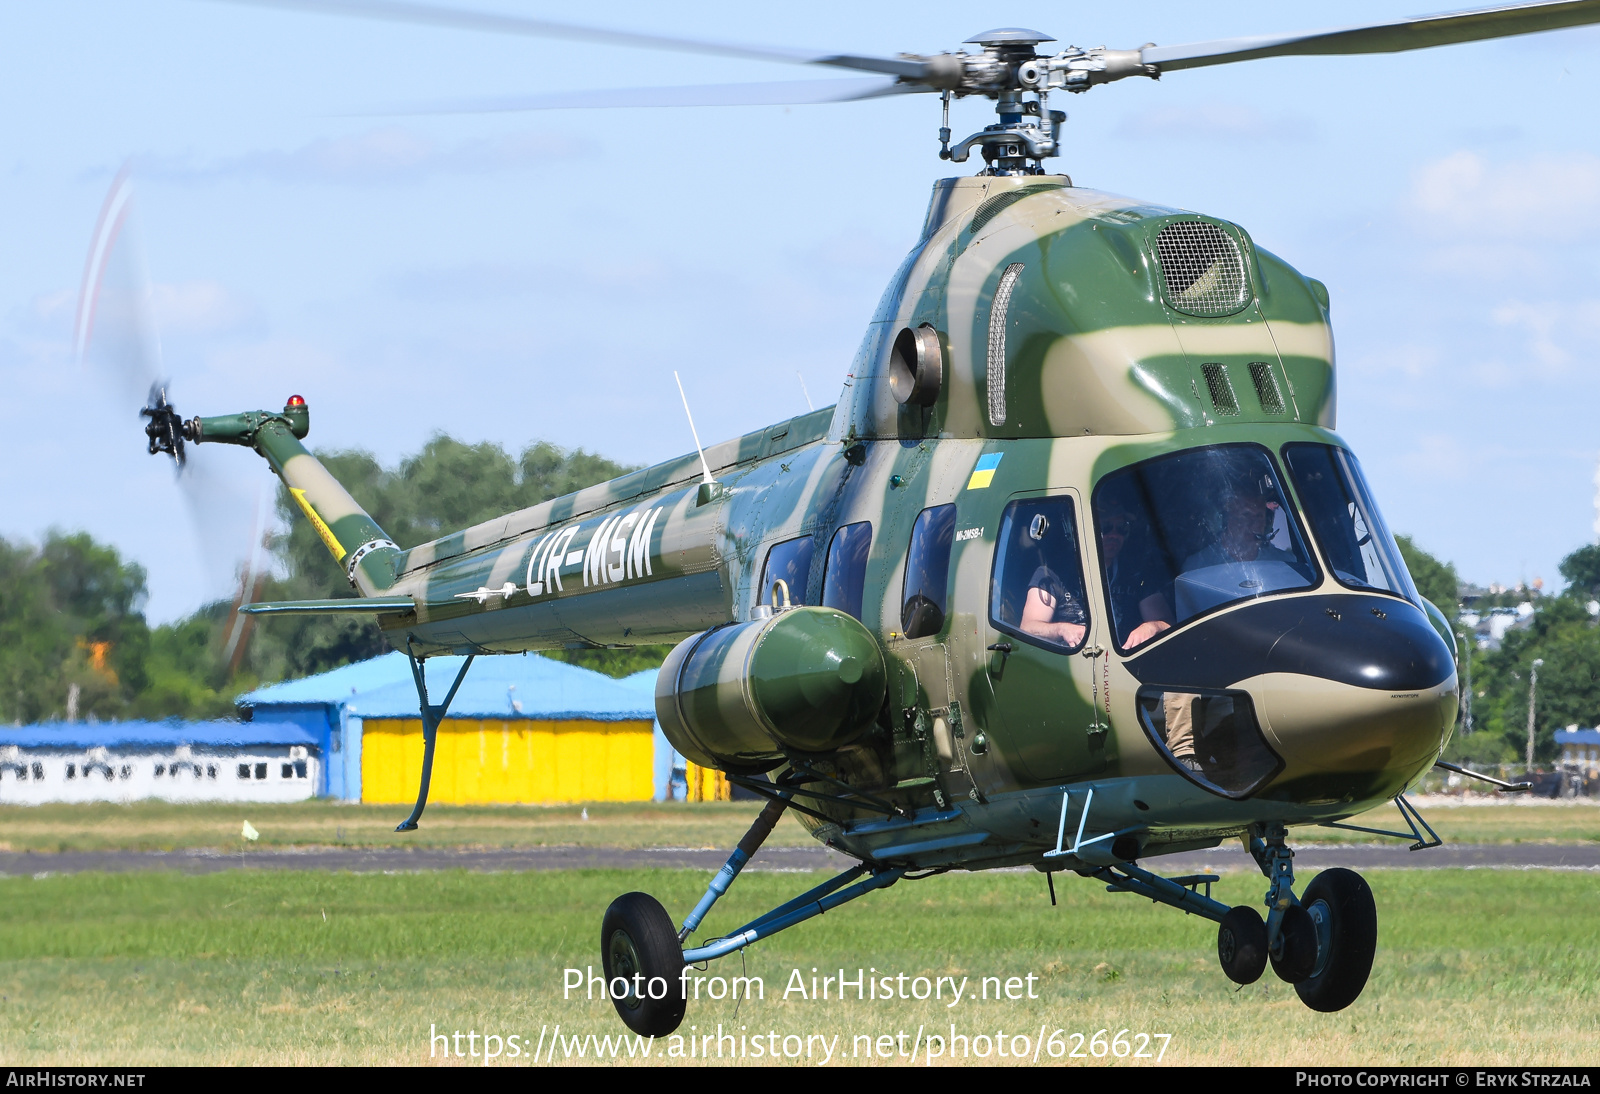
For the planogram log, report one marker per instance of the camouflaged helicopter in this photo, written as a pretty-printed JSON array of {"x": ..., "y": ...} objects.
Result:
[{"x": 1076, "y": 574}]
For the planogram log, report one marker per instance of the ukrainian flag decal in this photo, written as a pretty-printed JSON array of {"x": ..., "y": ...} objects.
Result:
[{"x": 983, "y": 473}]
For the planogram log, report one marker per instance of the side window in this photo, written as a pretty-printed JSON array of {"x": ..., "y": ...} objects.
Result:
[
  {"x": 845, "y": 579},
  {"x": 927, "y": 587},
  {"x": 1037, "y": 592},
  {"x": 790, "y": 563}
]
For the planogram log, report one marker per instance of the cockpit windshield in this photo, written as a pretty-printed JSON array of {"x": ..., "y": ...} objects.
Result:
[
  {"x": 1184, "y": 534},
  {"x": 1339, "y": 508}
]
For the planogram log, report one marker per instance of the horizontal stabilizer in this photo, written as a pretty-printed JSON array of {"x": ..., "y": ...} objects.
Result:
[{"x": 367, "y": 605}]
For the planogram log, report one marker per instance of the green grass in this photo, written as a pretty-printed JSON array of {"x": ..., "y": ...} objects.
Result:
[
  {"x": 1479, "y": 820},
  {"x": 161, "y": 826},
  {"x": 309, "y": 968}
]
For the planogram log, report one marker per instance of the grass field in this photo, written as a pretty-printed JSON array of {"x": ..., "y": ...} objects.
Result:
[
  {"x": 152, "y": 826},
  {"x": 156, "y": 826},
  {"x": 307, "y": 968}
]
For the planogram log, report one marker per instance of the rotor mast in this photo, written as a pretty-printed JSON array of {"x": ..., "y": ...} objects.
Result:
[{"x": 1010, "y": 68}]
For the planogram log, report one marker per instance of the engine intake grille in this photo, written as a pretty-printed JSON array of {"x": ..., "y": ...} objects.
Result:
[{"x": 1203, "y": 268}]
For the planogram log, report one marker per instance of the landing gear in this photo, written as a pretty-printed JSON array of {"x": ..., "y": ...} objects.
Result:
[
  {"x": 1242, "y": 945},
  {"x": 639, "y": 944},
  {"x": 1295, "y": 956},
  {"x": 1323, "y": 942},
  {"x": 644, "y": 964},
  {"x": 1340, "y": 905}
]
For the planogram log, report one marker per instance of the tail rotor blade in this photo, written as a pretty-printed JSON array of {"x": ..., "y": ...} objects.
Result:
[
  {"x": 114, "y": 335},
  {"x": 117, "y": 343}
]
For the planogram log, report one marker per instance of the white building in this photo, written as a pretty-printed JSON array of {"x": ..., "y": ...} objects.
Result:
[{"x": 172, "y": 761}]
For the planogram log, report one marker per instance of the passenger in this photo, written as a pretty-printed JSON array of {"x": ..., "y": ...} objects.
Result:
[
  {"x": 1051, "y": 611},
  {"x": 1135, "y": 588}
]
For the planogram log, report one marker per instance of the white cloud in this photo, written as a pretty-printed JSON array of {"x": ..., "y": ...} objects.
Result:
[
  {"x": 1548, "y": 197},
  {"x": 1539, "y": 321}
]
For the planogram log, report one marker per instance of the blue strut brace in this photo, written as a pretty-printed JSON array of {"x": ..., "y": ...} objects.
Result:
[{"x": 748, "y": 846}]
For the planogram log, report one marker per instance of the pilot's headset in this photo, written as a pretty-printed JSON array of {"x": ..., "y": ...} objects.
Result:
[
  {"x": 1236, "y": 477},
  {"x": 1253, "y": 482}
]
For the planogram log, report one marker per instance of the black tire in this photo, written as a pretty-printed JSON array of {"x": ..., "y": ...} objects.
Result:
[
  {"x": 1242, "y": 945},
  {"x": 637, "y": 937},
  {"x": 1348, "y": 927},
  {"x": 1296, "y": 958}
]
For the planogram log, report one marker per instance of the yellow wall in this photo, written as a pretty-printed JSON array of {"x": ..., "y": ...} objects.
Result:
[
  {"x": 509, "y": 761},
  {"x": 705, "y": 784}
]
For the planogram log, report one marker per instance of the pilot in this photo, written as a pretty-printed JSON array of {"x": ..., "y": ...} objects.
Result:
[{"x": 1249, "y": 511}]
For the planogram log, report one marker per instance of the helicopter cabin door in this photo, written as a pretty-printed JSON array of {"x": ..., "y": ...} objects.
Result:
[{"x": 1042, "y": 642}]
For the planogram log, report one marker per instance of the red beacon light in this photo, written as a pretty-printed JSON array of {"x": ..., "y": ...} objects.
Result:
[{"x": 296, "y": 400}]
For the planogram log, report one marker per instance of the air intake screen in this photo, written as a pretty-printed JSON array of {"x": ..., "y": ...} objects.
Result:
[
  {"x": 1222, "y": 396},
  {"x": 1266, "y": 387},
  {"x": 997, "y": 343},
  {"x": 1203, "y": 268}
]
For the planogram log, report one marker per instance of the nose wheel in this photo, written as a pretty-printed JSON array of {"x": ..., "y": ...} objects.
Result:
[
  {"x": 1322, "y": 943},
  {"x": 1295, "y": 956},
  {"x": 1340, "y": 907}
]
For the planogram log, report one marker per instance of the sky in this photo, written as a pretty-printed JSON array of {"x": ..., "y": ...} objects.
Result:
[{"x": 514, "y": 277}]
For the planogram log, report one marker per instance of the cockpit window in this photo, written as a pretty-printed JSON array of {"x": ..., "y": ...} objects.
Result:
[
  {"x": 1339, "y": 508},
  {"x": 1184, "y": 534},
  {"x": 1037, "y": 591}
]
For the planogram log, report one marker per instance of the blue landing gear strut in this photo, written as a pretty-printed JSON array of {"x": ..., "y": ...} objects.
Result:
[
  {"x": 824, "y": 898},
  {"x": 638, "y": 942},
  {"x": 431, "y": 717}
]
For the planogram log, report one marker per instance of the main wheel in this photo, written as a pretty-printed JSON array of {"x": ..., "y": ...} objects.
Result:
[
  {"x": 1340, "y": 904},
  {"x": 639, "y": 946},
  {"x": 1242, "y": 945},
  {"x": 1296, "y": 957}
]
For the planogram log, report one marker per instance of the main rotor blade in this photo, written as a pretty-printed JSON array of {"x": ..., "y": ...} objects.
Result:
[
  {"x": 403, "y": 11},
  {"x": 783, "y": 93},
  {"x": 1420, "y": 32}
]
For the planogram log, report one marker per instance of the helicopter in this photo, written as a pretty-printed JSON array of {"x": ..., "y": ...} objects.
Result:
[{"x": 1076, "y": 573}]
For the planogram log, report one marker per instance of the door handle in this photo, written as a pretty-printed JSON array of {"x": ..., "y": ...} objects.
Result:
[{"x": 1004, "y": 650}]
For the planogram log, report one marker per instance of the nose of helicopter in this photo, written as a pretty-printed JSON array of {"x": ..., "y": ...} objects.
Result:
[{"x": 1354, "y": 693}]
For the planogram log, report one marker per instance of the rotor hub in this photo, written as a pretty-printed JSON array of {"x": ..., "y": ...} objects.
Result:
[{"x": 1008, "y": 37}]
